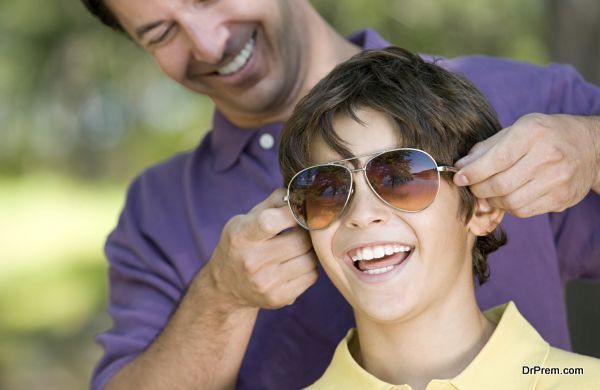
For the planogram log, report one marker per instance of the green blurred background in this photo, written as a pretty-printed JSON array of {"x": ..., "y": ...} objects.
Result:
[{"x": 83, "y": 110}]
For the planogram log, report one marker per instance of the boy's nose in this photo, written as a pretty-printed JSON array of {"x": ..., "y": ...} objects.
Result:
[
  {"x": 365, "y": 208},
  {"x": 208, "y": 36}
]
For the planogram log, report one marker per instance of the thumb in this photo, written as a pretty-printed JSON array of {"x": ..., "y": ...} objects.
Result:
[
  {"x": 274, "y": 200},
  {"x": 479, "y": 149},
  {"x": 476, "y": 151}
]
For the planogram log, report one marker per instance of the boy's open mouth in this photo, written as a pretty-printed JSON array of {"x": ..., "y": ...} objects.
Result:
[{"x": 379, "y": 259}]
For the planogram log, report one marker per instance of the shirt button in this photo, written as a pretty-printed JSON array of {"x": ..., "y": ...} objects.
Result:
[{"x": 266, "y": 141}]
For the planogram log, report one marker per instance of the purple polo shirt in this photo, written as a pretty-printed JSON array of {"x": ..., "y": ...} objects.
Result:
[{"x": 175, "y": 211}]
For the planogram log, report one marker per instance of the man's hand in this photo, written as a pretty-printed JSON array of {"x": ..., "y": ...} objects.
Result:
[
  {"x": 256, "y": 266},
  {"x": 252, "y": 267},
  {"x": 541, "y": 163}
]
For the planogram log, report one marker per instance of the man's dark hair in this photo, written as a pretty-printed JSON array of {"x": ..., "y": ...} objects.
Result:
[
  {"x": 434, "y": 110},
  {"x": 102, "y": 12}
]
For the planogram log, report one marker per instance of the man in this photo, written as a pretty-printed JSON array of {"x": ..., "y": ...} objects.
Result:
[{"x": 177, "y": 328}]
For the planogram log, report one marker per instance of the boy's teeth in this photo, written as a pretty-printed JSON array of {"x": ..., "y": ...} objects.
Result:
[
  {"x": 378, "y": 251},
  {"x": 239, "y": 61}
]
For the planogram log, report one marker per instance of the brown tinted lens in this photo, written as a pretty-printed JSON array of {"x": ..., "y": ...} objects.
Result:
[
  {"x": 406, "y": 179},
  {"x": 318, "y": 195}
]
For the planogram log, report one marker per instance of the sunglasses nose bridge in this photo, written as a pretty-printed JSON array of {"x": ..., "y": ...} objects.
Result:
[
  {"x": 366, "y": 211},
  {"x": 352, "y": 172},
  {"x": 370, "y": 186}
]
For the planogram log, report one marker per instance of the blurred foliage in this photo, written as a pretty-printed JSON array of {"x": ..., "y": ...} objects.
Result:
[
  {"x": 52, "y": 284},
  {"x": 80, "y": 99},
  {"x": 86, "y": 104},
  {"x": 449, "y": 28}
]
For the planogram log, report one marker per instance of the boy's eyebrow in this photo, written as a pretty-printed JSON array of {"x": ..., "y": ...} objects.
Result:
[{"x": 142, "y": 30}]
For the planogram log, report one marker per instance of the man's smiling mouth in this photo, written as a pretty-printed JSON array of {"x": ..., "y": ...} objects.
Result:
[
  {"x": 380, "y": 258},
  {"x": 239, "y": 60}
]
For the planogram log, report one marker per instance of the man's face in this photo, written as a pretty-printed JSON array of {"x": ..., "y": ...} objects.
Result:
[
  {"x": 432, "y": 258},
  {"x": 245, "y": 55}
]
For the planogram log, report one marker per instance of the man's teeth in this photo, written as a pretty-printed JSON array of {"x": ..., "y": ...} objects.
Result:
[
  {"x": 378, "y": 251},
  {"x": 239, "y": 61},
  {"x": 379, "y": 270}
]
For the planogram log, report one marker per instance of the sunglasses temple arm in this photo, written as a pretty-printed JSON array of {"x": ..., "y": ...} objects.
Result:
[{"x": 447, "y": 169}]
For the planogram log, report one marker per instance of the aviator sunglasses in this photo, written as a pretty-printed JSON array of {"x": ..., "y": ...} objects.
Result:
[{"x": 406, "y": 179}]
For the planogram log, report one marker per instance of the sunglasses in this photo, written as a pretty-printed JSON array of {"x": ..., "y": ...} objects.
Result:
[{"x": 406, "y": 179}]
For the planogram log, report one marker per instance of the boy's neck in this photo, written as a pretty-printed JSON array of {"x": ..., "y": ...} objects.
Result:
[{"x": 438, "y": 343}]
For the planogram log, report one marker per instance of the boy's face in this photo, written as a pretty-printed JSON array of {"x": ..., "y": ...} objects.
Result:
[{"x": 438, "y": 260}]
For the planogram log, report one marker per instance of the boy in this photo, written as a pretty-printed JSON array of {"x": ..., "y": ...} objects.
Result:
[{"x": 379, "y": 136}]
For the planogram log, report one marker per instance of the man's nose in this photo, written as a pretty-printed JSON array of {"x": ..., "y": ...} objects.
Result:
[
  {"x": 365, "y": 207},
  {"x": 207, "y": 35}
]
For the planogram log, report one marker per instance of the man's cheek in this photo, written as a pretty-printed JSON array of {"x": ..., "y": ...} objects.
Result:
[{"x": 174, "y": 63}]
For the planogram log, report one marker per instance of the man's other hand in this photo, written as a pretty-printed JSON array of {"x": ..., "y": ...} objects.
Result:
[
  {"x": 542, "y": 163},
  {"x": 256, "y": 265}
]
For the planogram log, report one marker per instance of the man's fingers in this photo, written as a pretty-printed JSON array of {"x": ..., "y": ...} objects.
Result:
[
  {"x": 541, "y": 205},
  {"x": 547, "y": 192},
  {"x": 293, "y": 288},
  {"x": 274, "y": 200},
  {"x": 478, "y": 150},
  {"x": 288, "y": 280},
  {"x": 297, "y": 266},
  {"x": 498, "y": 158},
  {"x": 292, "y": 243},
  {"x": 265, "y": 223},
  {"x": 508, "y": 181},
  {"x": 526, "y": 195}
]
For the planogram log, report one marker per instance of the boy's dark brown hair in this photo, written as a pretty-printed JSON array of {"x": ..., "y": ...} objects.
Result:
[{"x": 434, "y": 110}]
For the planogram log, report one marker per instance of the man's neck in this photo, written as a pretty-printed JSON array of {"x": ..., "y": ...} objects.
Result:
[
  {"x": 324, "y": 49},
  {"x": 438, "y": 342}
]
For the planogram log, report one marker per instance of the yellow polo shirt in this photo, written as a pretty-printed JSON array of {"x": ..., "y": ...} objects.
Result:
[{"x": 508, "y": 361}]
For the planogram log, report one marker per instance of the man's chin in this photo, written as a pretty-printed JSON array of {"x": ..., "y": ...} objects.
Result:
[{"x": 257, "y": 106}]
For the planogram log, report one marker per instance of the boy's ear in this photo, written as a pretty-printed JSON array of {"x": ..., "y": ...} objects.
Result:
[{"x": 485, "y": 218}]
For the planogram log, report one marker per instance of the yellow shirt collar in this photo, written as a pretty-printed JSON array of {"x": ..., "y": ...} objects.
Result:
[{"x": 514, "y": 344}]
